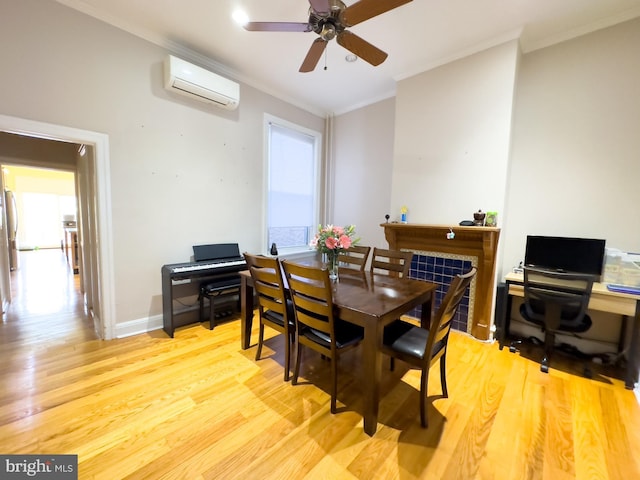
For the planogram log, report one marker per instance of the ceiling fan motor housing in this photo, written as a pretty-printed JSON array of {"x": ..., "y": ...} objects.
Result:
[{"x": 329, "y": 24}]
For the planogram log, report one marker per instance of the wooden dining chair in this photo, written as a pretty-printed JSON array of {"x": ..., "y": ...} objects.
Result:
[
  {"x": 394, "y": 262},
  {"x": 421, "y": 347},
  {"x": 275, "y": 310},
  {"x": 316, "y": 324},
  {"x": 355, "y": 256}
]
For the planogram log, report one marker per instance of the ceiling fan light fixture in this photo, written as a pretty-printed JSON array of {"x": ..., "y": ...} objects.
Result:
[
  {"x": 351, "y": 58},
  {"x": 328, "y": 32}
]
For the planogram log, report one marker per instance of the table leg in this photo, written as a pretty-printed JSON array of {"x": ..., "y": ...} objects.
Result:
[
  {"x": 246, "y": 312},
  {"x": 633, "y": 362},
  {"x": 372, "y": 365},
  {"x": 502, "y": 330},
  {"x": 426, "y": 313}
]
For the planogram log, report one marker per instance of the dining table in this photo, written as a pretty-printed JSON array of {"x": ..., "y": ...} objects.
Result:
[{"x": 370, "y": 300}]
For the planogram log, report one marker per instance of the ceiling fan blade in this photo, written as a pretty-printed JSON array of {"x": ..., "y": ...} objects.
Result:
[
  {"x": 313, "y": 55},
  {"x": 366, "y": 9},
  {"x": 277, "y": 27},
  {"x": 361, "y": 48},
  {"x": 320, "y": 6}
]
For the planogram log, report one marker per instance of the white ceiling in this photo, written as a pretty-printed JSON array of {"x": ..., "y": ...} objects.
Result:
[{"x": 417, "y": 36}]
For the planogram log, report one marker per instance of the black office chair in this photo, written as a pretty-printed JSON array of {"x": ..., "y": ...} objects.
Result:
[{"x": 557, "y": 302}]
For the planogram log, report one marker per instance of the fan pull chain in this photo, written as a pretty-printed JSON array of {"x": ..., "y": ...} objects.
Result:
[{"x": 325, "y": 58}]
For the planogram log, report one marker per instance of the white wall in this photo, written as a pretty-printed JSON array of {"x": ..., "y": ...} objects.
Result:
[
  {"x": 363, "y": 152},
  {"x": 452, "y": 132},
  {"x": 575, "y": 166},
  {"x": 549, "y": 139},
  {"x": 182, "y": 172}
]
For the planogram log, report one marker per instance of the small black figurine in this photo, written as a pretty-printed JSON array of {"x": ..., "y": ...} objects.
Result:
[
  {"x": 387, "y": 218},
  {"x": 274, "y": 249}
]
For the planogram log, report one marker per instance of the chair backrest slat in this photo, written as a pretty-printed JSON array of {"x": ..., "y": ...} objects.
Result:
[
  {"x": 441, "y": 324},
  {"x": 268, "y": 283},
  {"x": 312, "y": 296},
  {"x": 355, "y": 256},
  {"x": 396, "y": 261}
]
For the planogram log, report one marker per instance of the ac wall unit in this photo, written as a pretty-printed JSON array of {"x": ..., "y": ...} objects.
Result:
[{"x": 200, "y": 84}]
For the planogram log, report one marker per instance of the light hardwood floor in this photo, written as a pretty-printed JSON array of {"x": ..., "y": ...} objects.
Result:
[{"x": 199, "y": 407}]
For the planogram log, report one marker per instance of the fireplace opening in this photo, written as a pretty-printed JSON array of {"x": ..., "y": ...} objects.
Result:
[{"x": 440, "y": 268}]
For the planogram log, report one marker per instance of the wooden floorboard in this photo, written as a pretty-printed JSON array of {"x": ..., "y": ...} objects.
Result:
[{"x": 198, "y": 407}]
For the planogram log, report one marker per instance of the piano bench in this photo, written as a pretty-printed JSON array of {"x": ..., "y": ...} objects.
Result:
[{"x": 221, "y": 292}]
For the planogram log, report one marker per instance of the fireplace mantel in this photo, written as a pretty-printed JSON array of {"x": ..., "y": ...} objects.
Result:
[{"x": 480, "y": 242}]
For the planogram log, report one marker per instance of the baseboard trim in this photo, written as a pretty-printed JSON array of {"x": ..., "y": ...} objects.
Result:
[{"x": 136, "y": 327}]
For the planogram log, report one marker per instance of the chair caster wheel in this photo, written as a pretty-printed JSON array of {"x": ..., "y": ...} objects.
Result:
[
  {"x": 544, "y": 368},
  {"x": 512, "y": 349}
]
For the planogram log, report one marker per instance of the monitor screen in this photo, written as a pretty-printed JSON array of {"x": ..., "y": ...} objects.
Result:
[{"x": 580, "y": 255}]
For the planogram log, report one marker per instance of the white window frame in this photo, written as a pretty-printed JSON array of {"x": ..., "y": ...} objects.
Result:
[{"x": 317, "y": 136}]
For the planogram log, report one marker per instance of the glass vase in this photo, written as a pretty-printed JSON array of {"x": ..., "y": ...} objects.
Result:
[{"x": 332, "y": 264}]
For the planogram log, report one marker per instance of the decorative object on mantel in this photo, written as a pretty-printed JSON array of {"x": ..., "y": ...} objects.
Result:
[
  {"x": 451, "y": 235},
  {"x": 403, "y": 214},
  {"x": 386, "y": 217},
  {"x": 491, "y": 220},
  {"x": 478, "y": 218},
  {"x": 330, "y": 241}
]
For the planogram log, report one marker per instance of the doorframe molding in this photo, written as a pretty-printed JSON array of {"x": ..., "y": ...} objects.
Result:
[{"x": 104, "y": 317}]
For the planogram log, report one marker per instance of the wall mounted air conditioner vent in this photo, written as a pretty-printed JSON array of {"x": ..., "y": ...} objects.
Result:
[{"x": 197, "y": 83}]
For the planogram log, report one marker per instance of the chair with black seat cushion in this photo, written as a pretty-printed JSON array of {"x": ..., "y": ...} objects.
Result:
[
  {"x": 395, "y": 262},
  {"x": 317, "y": 326},
  {"x": 421, "y": 347},
  {"x": 275, "y": 310},
  {"x": 355, "y": 256},
  {"x": 557, "y": 302}
]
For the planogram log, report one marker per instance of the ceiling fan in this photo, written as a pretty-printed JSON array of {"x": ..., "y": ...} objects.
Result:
[{"x": 330, "y": 19}]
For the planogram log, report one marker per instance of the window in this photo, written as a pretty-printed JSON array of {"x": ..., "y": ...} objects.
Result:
[
  {"x": 292, "y": 204},
  {"x": 41, "y": 219}
]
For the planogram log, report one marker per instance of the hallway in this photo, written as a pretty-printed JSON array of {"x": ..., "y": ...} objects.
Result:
[{"x": 47, "y": 305}]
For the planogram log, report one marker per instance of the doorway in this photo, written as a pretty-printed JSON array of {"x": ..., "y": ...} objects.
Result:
[
  {"x": 91, "y": 164},
  {"x": 40, "y": 216}
]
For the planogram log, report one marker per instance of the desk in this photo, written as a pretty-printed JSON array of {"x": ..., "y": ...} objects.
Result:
[
  {"x": 371, "y": 301},
  {"x": 601, "y": 299}
]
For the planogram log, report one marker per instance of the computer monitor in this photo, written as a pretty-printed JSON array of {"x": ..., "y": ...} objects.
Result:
[{"x": 566, "y": 254}]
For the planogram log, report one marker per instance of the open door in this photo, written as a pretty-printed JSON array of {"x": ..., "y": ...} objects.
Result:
[
  {"x": 11, "y": 217},
  {"x": 5, "y": 277}
]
